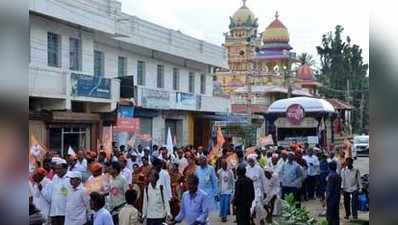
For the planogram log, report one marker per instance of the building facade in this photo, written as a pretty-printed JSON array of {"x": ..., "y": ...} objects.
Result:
[
  {"x": 262, "y": 67},
  {"x": 79, "y": 53}
]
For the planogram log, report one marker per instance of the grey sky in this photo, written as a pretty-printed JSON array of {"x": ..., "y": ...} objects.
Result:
[{"x": 306, "y": 20}]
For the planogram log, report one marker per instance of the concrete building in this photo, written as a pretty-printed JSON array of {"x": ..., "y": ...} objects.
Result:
[{"x": 80, "y": 51}]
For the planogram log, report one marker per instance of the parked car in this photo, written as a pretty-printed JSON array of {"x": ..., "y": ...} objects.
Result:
[{"x": 361, "y": 145}]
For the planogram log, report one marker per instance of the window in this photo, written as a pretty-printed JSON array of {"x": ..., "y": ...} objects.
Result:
[
  {"x": 98, "y": 63},
  {"x": 122, "y": 64},
  {"x": 141, "y": 73},
  {"x": 176, "y": 79},
  {"x": 53, "y": 49},
  {"x": 191, "y": 85},
  {"x": 160, "y": 78},
  {"x": 75, "y": 54},
  {"x": 202, "y": 83}
]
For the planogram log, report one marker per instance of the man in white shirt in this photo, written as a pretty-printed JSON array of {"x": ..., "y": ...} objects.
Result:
[
  {"x": 164, "y": 178},
  {"x": 126, "y": 172},
  {"x": 57, "y": 191},
  {"x": 81, "y": 163},
  {"x": 312, "y": 172},
  {"x": 351, "y": 185},
  {"x": 101, "y": 215},
  {"x": 77, "y": 201},
  {"x": 39, "y": 178},
  {"x": 181, "y": 161},
  {"x": 256, "y": 174}
]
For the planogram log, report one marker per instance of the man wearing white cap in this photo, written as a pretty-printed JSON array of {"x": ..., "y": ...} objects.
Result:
[
  {"x": 57, "y": 191},
  {"x": 77, "y": 201},
  {"x": 256, "y": 174}
]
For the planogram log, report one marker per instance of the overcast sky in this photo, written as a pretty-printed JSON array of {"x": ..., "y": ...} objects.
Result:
[{"x": 306, "y": 20}]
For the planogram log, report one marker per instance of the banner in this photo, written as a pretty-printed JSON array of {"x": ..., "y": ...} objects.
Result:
[
  {"x": 185, "y": 101},
  {"x": 156, "y": 99},
  {"x": 267, "y": 140},
  {"x": 126, "y": 126},
  {"x": 90, "y": 86}
]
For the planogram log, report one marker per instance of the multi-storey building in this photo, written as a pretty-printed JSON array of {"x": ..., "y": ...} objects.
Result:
[{"x": 79, "y": 53}]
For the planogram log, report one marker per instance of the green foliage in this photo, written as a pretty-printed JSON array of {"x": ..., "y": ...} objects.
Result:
[
  {"x": 292, "y": 215},
  {"x": 306, "y": 58},
  {"x": 341, "y": 64}
]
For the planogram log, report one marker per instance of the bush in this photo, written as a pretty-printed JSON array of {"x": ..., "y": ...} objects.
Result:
[{"x": 292, "y": 215}]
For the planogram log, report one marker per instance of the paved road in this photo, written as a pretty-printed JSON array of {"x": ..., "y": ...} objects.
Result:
[{"x": 314, "y": 206}]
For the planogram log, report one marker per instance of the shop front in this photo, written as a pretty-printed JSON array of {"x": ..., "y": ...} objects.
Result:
[{"x": 301, "y": 120}]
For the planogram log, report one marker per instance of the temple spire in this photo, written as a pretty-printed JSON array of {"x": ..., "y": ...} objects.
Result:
[
  {"x": 276, "y": 14},
  {"x": 244, "y": 2}
]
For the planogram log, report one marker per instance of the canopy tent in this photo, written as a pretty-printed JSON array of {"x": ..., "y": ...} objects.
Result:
[{"x": 309, "y": 105}]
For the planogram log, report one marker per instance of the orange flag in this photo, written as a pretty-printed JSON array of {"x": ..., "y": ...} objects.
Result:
[
  {"x": 36, "y": 151},
  {"x": 220, "y": 137},
  {"x": 107, "y": 141},
  {"x": 215, "y": 151}
]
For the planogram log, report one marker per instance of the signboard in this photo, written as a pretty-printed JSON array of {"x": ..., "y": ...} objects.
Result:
[
  {"x": 90, "y": 86},
  {"x": 313, "y": 140},
  {"x": 185, "y": 101},
  {"x": 156, "y": 99},
  {"x": 295, "y": 114}
]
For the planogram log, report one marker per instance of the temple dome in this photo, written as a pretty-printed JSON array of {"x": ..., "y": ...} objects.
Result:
[
  {"x": 276, "y": 32},
  {"x": 243, "y": 17},
  {"x": 243, "y": 14},
  {"x": 305, "y": 72}
]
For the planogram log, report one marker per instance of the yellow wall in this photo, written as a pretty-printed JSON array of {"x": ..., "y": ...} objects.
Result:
[{"x": 190, "y": 123}]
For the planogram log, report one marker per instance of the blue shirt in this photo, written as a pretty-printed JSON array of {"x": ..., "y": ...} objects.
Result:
[
  {"x": 103, "y": 217},
  {"x": 208, "y": 183},
  {"x": 291, "y": 174},
  {"x": 193, "y": 208}
]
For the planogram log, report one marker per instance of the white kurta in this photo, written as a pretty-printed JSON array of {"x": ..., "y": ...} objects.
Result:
[
  {"x": 128, "y": 175},
  {"x": 256, "y": 174},
  {"x": 56, "y": 192},
  {"x": 38, "y": 199},
  {"x": 77, "y": 206},
  {"x": 164, "y": 179}
]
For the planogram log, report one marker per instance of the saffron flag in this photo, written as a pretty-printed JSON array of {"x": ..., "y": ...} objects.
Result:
[
  {"x": 37, "y": 151},
  {"x": 215, "y": 151},
  {"x": 107, "y": 141}
]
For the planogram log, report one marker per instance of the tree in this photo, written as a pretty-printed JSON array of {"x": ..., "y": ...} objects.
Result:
[
  {"x": 344, "y": 75},
  {"x": 306, "y": 58}
]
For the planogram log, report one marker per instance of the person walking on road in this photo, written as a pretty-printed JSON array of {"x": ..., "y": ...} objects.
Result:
[
  {"x": 243, "y": 197},
  {"x": 333, "y": 190},
  {"x": 194, "y": 204},
  {"x": 351, "y": 185}
]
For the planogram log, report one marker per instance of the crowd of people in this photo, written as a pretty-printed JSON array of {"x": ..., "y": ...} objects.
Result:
[{"x": 154, "y": 185}]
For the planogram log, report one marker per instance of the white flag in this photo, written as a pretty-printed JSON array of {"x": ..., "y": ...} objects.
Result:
[
  {"x": 169, "y": 142},
  {"x": 71, "y": 152}
]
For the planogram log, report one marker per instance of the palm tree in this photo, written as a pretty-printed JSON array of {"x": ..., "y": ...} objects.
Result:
[{"x": 306, "y": 58}]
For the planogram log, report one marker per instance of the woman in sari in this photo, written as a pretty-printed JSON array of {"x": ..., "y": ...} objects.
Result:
[
  {"x": 140, "y": 177},
  {"x": 189, "y": 170}
]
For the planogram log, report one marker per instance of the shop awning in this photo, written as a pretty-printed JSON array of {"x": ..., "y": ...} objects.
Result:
[{"x": 308, "y": 104}]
